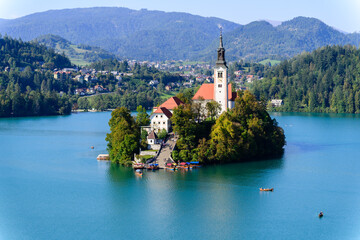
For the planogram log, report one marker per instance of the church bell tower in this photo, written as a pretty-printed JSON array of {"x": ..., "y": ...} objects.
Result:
[{"x": 220, "y": 78}]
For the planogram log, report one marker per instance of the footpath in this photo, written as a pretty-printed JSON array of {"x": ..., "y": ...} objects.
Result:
[{"x": 164, "y": 156}]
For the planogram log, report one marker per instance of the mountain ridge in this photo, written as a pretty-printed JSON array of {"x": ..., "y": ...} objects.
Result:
[{"x": 158, "y": 35}]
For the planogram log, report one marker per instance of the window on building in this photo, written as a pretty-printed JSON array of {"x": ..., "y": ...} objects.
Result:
[
  {"x": 163, "y": 122},
  {"x": 159, "y": 122},
  {"x": 161, "y": 116},
  {"x": 219, "y": 85},
  {"x": 156, "y": 115},
  {"x": 220, "y": 74}
]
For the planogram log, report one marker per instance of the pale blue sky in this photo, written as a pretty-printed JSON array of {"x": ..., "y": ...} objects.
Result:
[{"x": 341, "y": 14}]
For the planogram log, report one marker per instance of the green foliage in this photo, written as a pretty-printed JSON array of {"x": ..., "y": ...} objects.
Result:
[
  {"x": 186, "y": 95},
  {"x": 243, "y": 133},
  {"x": 16, "y": 54},
  {"x": 185, "y": 126},
  {"x": 78, "y": 54},
  {"x": 162, "y": 134},
  {"x": 110, "y": 65},
  {"x": 213, "y": 109},
  {"x": 326, "y": 80},
  {"x": 123, "y": 139},
  {"x": 28, "y": 88},
  {"x": 143, "y": 140},
  {"x": 133, "y": 89},
  {"x": 142, "y": 118}
]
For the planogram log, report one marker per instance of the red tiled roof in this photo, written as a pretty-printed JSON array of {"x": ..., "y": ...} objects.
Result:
[
  {"x": 206, "y": 91},
  {"x": 164, "y": 110},
  {"x": 171, "y": 103}
]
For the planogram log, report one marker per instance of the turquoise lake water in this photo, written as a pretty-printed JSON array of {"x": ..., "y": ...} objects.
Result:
[{"x": 52, "y": 187}]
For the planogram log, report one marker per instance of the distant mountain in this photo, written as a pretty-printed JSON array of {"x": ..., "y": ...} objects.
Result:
[
  {"x": 260, "y": 39},
  {"x": 157, "y": 35},
  {"x": 273, "y": 22},
  {"x": 78, "y": 54},
  {"x": 135, "y": 34}
]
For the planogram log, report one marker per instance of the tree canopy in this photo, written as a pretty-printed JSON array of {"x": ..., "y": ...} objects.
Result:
[
  {"x": 326, "y": 80},
  {"x": 245, "y": 132},
  {"x": 124, "y": 136},
  {"x": 27, "y": 85}
]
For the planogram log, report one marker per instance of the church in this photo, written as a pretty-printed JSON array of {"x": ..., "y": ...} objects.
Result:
[{"x": 219, "y": 91}]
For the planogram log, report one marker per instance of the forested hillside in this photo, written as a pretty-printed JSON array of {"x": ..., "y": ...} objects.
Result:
[
  {"x": 326, "y": 80},
  {"x": 143, "y": 35},
  {"x": 27, "y": 86},
  {"x": 157, "y": 35},
  {"x": 260, "y": 39},
  {"x": 78, "y": 54}
]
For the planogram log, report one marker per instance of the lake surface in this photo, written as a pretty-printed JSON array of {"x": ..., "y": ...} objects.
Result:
[{"x": 52, "y": 187}]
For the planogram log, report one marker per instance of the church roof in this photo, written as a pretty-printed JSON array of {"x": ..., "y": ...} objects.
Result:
[
  {"x": 206, "y": 91},
  {"x": 164, "y": 110},
  {"x": 171, "y": 103}
]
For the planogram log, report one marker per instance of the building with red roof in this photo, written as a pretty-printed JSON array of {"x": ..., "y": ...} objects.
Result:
[
  {"x": 170, "y": 104},
  {"x": 160, "y": 119}
]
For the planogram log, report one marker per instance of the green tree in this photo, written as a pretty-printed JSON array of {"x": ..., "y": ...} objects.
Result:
[
  {"x": 142, "y": 118},
  {"x": 124, "y": 136},
  {"x": 245, "y": 132},
  {"x": 213, "y": 109},
  {"x": 162, "y": 134}
]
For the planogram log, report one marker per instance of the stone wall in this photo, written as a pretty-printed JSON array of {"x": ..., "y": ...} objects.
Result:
[{"x": 154, "y": 147}]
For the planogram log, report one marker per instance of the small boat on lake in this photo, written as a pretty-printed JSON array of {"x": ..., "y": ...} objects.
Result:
[
  {"x": 194, "y": 164},
  {"x": 138, "y": 172},
  {"x": 153, "y": 166},
  {"x": 321, "y": 214},
  {"x": 138, "y": 166},
  {"x": 266, "y": 189},
  {"x": 184, "y": 166},
  {"x": 171, "y": 166},
  {"x": 104, "y": 157}
]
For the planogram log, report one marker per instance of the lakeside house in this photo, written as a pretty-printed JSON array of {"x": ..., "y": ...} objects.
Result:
[
  {"x": 160, "y": 119},
  {"x": 277, "y": 102}
]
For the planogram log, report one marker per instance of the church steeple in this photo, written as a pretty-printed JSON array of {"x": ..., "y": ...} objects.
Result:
[{"x": 221, "y": 53}]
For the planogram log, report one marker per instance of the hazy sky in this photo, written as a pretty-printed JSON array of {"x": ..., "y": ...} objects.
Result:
[{"x": 341, "y": 14}]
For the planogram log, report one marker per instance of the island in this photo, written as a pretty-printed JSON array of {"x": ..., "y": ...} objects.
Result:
[{"x": 216, "y": 125}]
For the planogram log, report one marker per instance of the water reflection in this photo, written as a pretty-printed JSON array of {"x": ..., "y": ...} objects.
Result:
[
  {"x": 216, "y": 173},
  {"x": 212, "y": 196},
  {"x": 321, "y": 115}
]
